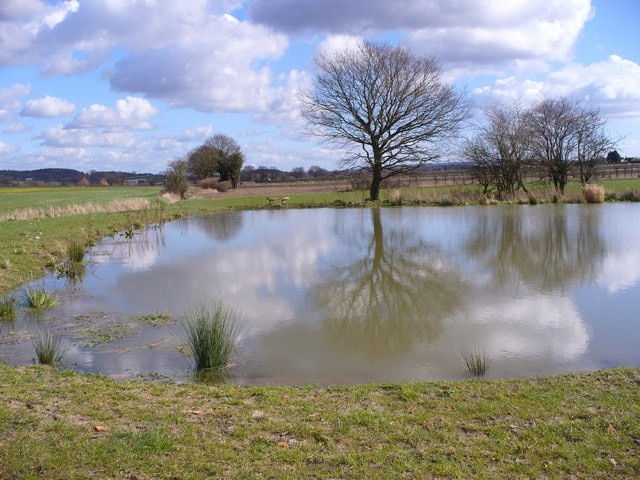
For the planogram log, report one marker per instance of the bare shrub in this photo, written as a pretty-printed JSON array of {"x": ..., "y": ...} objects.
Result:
[
  {"x": 224, "y": 186},
  {"x": 593, "y": 193},
  {"x": 208, "y": 183}
]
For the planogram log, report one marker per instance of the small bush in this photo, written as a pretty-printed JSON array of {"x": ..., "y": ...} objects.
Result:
[
  {"x": 40, "y": 299},
  {"x": 593, "y": 193},
  {"x": 475, "y": 361},
  {"x": 48, "y": 347},
  {"x": 176, "y": 178},
  {"x": 211, "y": 333}
]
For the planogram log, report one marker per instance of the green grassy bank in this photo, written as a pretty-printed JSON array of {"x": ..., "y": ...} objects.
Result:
[
  {"x": 66, "y": 426},
  {"x": 61, "y": 425}
]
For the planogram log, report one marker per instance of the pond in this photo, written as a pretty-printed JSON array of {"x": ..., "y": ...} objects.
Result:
[{"x": 345, "y": 296}]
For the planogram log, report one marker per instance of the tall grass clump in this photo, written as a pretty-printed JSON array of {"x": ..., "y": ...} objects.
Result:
[
  {"x": 75, "y": 250},
  {"x": 37, "y": 298},
  {"x": 593, "y": 193},
  {"x": 8, "y": 309},
  {"x": 48, "y": 347},
  {"x": 475, "y": 360},
  {"x": 211, "y": 334}
]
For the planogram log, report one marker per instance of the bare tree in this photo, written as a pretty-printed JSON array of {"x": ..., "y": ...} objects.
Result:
[
  {"x": 500, "y": 150},
  {"x": 567, "y": 133},
  {"x": 390, "y": 109},
  {"x": 298, "y": 172},
  {"x": 219, "y": 155},
  {"x": 593, "y": 143}
]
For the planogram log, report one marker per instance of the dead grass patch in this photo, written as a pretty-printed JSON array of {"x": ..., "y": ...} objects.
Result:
[
  {"x": 593, "y": 193},
  {"x": 113, "y": 206}
]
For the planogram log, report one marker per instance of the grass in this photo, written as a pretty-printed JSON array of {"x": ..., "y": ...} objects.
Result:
[
  {"x": 211, "y": 334},
  {"x": 583, "y": 425},
  {"x": 25, "y": 203},
  {"x": 475, "y": 361},
  {"x": 37, "y": 298},
  {"x": 48, "y": 347}
]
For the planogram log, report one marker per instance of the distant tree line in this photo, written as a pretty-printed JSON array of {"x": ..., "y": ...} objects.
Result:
[{"x": 67, "y": 176}]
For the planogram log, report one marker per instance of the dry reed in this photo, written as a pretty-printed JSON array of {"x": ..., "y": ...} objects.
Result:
[
  {"x": 593, "y": 193},
  {"x": 78, "y": 209}
]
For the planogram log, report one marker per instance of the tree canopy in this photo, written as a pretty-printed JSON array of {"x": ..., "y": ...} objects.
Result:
[{"x": 220, "y": 155}]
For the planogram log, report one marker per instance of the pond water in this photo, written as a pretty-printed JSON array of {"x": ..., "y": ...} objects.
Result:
[{"x": 344, "y": 296}]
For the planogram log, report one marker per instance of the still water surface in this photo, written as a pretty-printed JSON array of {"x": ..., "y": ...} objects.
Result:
[{"x": 335, "y": 296}]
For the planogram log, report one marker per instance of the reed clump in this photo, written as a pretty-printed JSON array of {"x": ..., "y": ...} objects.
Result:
[
  {"x": 37, "y": 298},
  {"x": 211, "y": 334},
  {"x": 75, "y": 250},
  {"x": 593, "y": 193},
  {"x": 49, "y": 348},
  {"x": 475, "y": 360}
]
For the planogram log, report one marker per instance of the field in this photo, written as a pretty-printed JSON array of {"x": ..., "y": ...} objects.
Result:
[{"x": 57, "y": 424}]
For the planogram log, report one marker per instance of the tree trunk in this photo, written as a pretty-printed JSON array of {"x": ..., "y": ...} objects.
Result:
[{"x": 376, "y": 181}]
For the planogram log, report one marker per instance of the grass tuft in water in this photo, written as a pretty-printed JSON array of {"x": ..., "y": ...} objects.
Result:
[
  {"x": 475, "y": 360},
  {"x": 211, "y": 333},
  {"x": 48, "y": 347},
  {"x": 37, "y": 298},
  {"x": 156, "y": 318},
  {"x": 75, "y": 250},
  {"x": 8, "y": 309}
]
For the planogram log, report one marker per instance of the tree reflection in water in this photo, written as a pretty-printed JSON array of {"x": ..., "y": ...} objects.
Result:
[
  {"x": 546, "y": 249},
  {"x": 396, "y": 292}
]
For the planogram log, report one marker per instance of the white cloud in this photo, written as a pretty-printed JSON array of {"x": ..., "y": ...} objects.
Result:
[
  {"x": 465, "y": 31},
  {"x": 216, "y": 65},
  {"x": 129, "y": 113},
  {"x": 517, "y": 34},
  {"x": 193, "y": 54},
  {"x": 7, "y": 149},
  {"x": 23, "y": 24},
  {"x": 196, "y": 134},
  {"x": 60, "y": 136},
  {"x": 9, "y": 97},
  {"x": 48, "y": 107},
  {"x": 613, "y": 85},
  {"x": 336, "y": 43}
]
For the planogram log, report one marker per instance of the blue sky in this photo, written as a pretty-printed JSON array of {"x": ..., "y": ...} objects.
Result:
[{"x": 133, "y": 84}]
